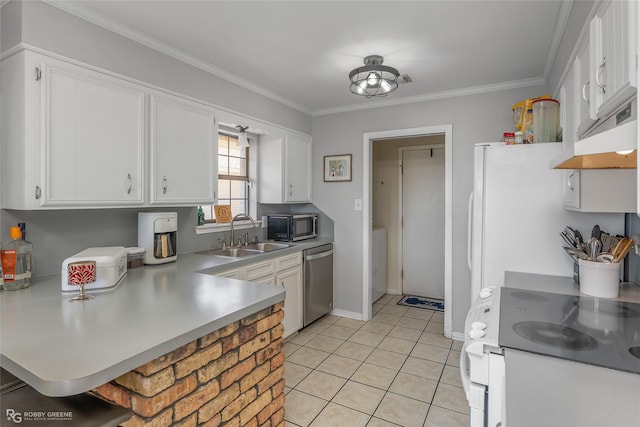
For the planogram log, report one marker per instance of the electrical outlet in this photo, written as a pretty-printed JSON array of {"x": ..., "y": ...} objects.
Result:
[
  {"x": 264, "y": 221},
  {"x": 357, "y": 204}
]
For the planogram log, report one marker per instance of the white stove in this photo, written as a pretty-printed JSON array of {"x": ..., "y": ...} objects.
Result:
[
  {"x": 535, "y": 358},
  {"x": 482, "y": 361}
]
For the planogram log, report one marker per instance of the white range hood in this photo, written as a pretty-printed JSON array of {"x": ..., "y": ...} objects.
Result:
[
  {"x": 615, "y": 148},
  {"x": 611, "y": 144}
]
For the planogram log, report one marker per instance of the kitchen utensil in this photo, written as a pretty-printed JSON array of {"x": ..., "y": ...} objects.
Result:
[
  {"x": 605, "y": 258},
  {"x": 623, "y": 250},
  {"x": 575, "y": 253},
  {"x": 616, "y": 250},
  {"x": 567, "y": 239},
  {"x": 608, "y": 242},
  {"x": 596, "y": 232},
  {"x": 594, "y": 248},
  {"x": 570, "y": 232},
  {"x": 579, "y": 239}
]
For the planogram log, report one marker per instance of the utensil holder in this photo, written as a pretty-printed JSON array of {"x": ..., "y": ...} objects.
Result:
[{"x": 599, "y": 279}]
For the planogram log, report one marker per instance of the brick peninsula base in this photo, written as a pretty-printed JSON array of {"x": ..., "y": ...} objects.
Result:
[{"x": 231, "y": 377}]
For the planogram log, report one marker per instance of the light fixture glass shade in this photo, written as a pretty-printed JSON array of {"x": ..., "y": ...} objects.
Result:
[
  {"x": 243, "y": 141},
  {"x": 373, "y": 79}
]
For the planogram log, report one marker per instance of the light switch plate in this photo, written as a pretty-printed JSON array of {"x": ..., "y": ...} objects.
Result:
[{"x": 357, "y": 204}]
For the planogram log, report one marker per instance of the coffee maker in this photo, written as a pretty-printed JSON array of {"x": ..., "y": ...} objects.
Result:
[{"x": 157, "y": 234}]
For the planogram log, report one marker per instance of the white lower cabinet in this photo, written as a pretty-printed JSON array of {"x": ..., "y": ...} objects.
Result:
[
  {"x": 285, "y": 271},
  {"x": 291, "y": 281},
  {"x": 260, "y": 270},
  {"x": 231, "y": 274},
  {"x": 589, "y": 190}
]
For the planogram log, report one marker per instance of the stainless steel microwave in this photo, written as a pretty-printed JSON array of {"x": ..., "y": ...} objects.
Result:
[{"x": 292, "y": 227}]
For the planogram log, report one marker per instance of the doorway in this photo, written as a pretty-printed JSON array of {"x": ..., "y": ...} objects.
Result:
[
  {"x": 445, "y": 132},
  {"x": 422, "y": 220}
]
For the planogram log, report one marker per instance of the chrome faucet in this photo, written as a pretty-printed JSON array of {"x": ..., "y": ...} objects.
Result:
[{"x": 240, "y": 215}]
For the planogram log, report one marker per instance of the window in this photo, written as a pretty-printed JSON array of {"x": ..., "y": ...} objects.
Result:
[{"x": 233, "y": 177}]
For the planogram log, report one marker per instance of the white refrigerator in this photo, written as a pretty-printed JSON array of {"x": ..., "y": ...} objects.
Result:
[{"x": 516, "y": 214}]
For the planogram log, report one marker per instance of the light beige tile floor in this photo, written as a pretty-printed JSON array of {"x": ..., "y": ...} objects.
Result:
[{"x": 398, "y": 369}]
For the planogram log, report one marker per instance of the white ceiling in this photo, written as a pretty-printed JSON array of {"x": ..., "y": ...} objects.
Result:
[{"x": 300, "y": 52}]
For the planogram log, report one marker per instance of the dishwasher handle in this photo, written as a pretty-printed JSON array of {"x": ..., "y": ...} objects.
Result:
[{"x": 320, "y": 255}]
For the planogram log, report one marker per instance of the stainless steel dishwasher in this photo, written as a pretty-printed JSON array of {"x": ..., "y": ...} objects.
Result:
[{"x": 318, "y": 283}]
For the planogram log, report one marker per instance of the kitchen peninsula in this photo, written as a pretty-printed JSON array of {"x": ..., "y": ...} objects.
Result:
[{"x": 173, "y": 343}]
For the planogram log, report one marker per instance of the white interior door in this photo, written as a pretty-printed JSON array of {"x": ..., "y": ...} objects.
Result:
[{"x": 423, "y": 185}]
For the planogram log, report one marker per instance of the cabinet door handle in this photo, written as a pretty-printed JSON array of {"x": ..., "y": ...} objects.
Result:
[
  {"x": 38, "y": 192},
  {"x": 584, "y": 92},
  {"x": 598, "y": 74},
  {"x": 570, "y": 182},
  {"x": 164, "y": 185},
  {"x": 130, "y": 183}
]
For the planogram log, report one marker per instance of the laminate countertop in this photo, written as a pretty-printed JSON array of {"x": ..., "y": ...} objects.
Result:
[
  {"x": 63, "y": 348},
  {"x": 629, "y": 292}
]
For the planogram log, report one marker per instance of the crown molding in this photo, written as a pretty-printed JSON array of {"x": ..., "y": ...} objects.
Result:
[
  {"x": 152, "y": 43},
  {"x": 475, "y": 90},
  {"x": 558, "y": 32}
]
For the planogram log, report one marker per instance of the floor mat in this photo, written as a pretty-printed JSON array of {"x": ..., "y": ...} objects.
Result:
[{"x": 422, "y": 302}]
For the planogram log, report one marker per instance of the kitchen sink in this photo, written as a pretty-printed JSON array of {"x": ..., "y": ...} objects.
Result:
[
  {"x": 233, "y": 252},
  {"x": 266, "y": 246},
  {"x": 248, "y": 250}
]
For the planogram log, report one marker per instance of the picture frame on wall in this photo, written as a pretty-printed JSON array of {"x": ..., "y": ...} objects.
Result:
[{"x": 337, "y": 168}]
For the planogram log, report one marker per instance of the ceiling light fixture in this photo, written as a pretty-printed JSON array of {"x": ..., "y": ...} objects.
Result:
[
  {"x": 373, "y": 79},
  {"x": 243, "y": 141}
]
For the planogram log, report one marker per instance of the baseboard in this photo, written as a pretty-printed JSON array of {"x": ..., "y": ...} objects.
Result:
[
  {"x": 345, "y": 313},
  {"x": 458, "y": 336}
]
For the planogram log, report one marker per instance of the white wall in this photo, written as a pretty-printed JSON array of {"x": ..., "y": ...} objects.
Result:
[{"x": 475, "y": 118}]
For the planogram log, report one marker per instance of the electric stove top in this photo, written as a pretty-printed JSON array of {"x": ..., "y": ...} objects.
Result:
[{"x": 580, "y": 328}]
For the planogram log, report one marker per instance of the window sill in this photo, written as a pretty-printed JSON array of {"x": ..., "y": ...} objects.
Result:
[{"x": 215, "y": 227}]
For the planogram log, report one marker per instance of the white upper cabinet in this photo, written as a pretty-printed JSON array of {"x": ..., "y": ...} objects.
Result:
[
  {"x": 297, "y": 168},
  {"x": 93, "y": 143},
  {"x": 183, "y": 151},
  {"x": 79, "y": 137},
  {"x": 582, "y": 92},
  {"x": 613, "y": 43},
  {"x": 284, "y": 168},
  {"x": 21, "y": 184},
  {"x": 568, "y": 102},
  {"x": 73, "y": 137}
]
